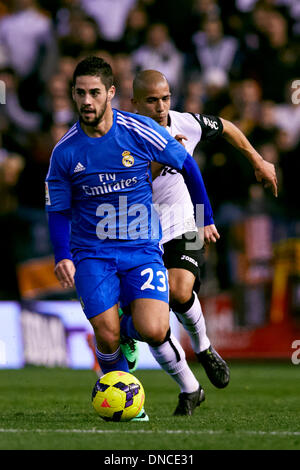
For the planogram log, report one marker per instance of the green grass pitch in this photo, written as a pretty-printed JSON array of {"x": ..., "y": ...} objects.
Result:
[{"x": 51, "y": 409}]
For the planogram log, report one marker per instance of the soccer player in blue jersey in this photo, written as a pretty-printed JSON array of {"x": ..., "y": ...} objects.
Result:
[{"x": 103, "y": 227}]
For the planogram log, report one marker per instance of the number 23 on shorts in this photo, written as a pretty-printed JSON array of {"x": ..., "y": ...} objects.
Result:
[{"x": 154, "y": 280}]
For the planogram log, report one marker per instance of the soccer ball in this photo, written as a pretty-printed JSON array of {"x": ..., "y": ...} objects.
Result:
[{"x": 118, "y": 396}]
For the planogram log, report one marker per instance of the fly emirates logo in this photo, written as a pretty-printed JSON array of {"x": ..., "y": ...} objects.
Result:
[{"x": 109, "y": 184}]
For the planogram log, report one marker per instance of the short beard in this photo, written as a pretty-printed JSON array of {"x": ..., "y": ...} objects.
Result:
[{"x": 97, "y": 119}]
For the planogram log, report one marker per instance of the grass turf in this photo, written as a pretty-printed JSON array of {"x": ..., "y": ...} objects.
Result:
[{"x": 44, "y": 408}]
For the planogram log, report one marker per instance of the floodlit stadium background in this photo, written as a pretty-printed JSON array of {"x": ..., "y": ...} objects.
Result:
[{"x": 236, "y": 59}]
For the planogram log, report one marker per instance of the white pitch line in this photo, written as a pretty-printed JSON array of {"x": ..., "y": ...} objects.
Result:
[{"x": 144, "y": 431}]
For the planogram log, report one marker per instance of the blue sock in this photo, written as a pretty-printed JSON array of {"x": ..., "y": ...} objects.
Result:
[
  {"x": 114, "y": 361},
  {"x": 127, "y": 328}
]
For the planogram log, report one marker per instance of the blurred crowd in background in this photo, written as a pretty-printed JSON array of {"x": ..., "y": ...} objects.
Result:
[{"x": 238, "y": 59}]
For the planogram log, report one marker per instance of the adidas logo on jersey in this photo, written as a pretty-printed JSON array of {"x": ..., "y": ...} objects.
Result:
[{"x": 79, "y": 167}]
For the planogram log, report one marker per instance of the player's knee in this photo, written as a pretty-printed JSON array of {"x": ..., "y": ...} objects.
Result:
[
  {"x": 156, "y": 334},
  {"x": 107, "y": 341},
  {"x": 162, "y": 340},
  {"x": 180, "y": 293}
]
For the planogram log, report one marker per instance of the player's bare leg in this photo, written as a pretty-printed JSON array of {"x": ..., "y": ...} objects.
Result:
[
  {"x": 108, "y": 351},
  {"x": 106, "y": 327},
  {"x": 151, "y": 319},
  {"x": 186, "y": 306}
]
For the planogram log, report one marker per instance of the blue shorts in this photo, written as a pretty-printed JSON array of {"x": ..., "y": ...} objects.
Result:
[{"x": 120, "y": 275}]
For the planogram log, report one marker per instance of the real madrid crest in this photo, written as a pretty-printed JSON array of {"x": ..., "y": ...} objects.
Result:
[{"x": 127, "y": 159}]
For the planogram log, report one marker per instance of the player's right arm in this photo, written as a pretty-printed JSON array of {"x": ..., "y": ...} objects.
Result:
[
  {"x": 65, "y": 272},
  {"x": 59, "y": 229},
  {"x": 58, "y": 205}
]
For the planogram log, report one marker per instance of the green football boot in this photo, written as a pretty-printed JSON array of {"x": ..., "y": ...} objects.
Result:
[
  {"x": 142, "y": 416},
  {"x": 130, "y": 349}
]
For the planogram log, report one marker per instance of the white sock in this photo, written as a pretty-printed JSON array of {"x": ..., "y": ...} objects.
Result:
[
  {"x": 171, "y": 358},
  {"x": 194, "y": 324}
]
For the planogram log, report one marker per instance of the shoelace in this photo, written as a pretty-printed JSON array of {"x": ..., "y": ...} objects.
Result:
[
  {"x": 128, "y": 341},
  {"x": 131, "y": 344},
  {"x": 214, "y": 359}
]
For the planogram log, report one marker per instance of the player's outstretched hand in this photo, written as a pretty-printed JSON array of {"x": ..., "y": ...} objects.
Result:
[
  {"x": 180, "y": 138},
  {"x": 266, "y": 173},
  {"x": 64, "y": 271},
  {"x": 211, "y": 234}
]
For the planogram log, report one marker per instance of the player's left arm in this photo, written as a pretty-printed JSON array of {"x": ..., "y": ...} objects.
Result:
[
  {"x": 210, "y": 232},
  {"x": 264, "y": 171},
  {"x": 156, "y": 169},
  {"x": 196, "y": 187},
  {"x": 175, "y": 155}
]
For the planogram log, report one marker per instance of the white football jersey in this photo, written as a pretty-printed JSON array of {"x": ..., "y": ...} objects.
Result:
[{"x": 170, "y": 194}]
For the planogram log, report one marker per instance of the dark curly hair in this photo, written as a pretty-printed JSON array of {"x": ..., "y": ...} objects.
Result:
[{"x": 95, "y": 66}]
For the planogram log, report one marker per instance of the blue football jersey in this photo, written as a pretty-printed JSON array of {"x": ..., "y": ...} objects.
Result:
[{"x": 106, "y": 182}]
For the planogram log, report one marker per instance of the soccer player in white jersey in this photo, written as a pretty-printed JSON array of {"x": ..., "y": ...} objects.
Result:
[
  {"x": 152, "y": 97},
  {"x": 103, "y": 229}
]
